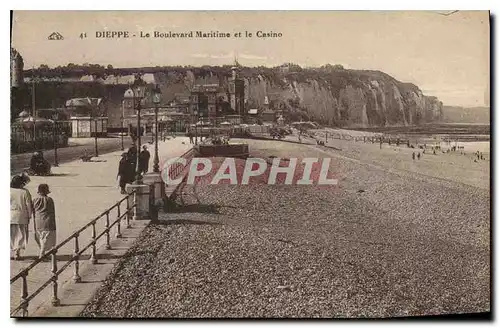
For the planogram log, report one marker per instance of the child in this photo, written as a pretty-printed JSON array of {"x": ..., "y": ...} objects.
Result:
[{"x": 45, "y": 219}]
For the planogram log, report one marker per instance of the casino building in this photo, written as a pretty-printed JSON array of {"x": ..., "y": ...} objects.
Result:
[{"x": 219, "y": 101}]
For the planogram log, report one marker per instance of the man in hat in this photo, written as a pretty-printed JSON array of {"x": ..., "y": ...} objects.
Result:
[
  {"x": 125, "y": 172},
  {"x": 144, "y": 160},
  {"x": 132, "y": 156}
]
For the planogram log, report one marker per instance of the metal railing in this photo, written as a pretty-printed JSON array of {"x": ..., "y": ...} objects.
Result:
[
  {"x": 177, "y": 168},
  {"x": 23, "y": 274}
]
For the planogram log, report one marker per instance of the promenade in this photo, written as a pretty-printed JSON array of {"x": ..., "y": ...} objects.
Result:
[
  {"x": 75, "y": 149},
  {"x": 81, "y": 191}
]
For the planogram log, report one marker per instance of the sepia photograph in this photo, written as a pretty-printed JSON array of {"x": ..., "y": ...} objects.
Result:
[{"x": 250, "y": 164}]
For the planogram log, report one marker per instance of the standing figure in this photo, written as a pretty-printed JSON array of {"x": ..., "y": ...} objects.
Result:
[
  {"x": 144, "y": 160},
  {"x": 418, "y": 155},
  {"x": 21, "y": 210},
  {"x": 39, "y": 165},
  {"x": 45, "y": 220},
  {"x": 125, "y": 172},
  {"x": 413, "y": 155},
  {"x": 132, "y": 155}
]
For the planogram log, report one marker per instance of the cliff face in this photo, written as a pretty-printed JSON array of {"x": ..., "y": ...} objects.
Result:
[
  {"x": 347, "y": 98},
  {"x": 329, "y": 95}
]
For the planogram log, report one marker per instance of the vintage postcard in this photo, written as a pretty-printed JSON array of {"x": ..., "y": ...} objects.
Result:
[{"x": 250, "y": 164}]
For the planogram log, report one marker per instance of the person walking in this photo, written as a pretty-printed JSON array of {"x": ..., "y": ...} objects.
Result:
[
  {"x": 125, "y": 173},
  {"x": 190, "y": 134},
  {"x": 413, "y": 155},
  {"x": 21, "y": 211},
  {"x": 45, "y": 220},
  {"x": 144, "y": 160},
  {"x": 418, "y": 156}
]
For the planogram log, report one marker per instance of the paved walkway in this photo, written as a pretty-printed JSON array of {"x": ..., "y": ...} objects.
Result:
[
  {"x": 81, "y": 191},
  {"x": 20, "y": 162}
]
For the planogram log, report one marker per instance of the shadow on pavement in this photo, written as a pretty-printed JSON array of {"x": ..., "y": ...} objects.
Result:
[
  {"x": 185, "y": 222},
  {"x": 63, "y": 175},
  {"x": 68, "y": 257},
  {"x": 196, "y": 208}
]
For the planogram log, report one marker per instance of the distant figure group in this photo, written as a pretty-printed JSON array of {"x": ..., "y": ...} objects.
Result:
[
  {"x": 39, "y": 165},
  {"x": 127, "y": 167}
]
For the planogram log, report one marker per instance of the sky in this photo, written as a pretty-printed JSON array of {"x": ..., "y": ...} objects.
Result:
[{"x": 446, "y": 56}]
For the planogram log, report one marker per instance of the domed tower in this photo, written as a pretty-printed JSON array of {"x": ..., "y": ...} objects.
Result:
[
  {"x": 16, "y": 69},
  {"x": 17, "y": 90},
  {"x": 237, "y": 91}
]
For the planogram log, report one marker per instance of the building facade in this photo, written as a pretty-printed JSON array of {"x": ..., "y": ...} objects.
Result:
[{"x": 204, "y": 100}]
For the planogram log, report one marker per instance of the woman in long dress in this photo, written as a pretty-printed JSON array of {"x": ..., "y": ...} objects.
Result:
[
  {"x": 45, "y": 219},
  {"x": 21, "y": 210}
]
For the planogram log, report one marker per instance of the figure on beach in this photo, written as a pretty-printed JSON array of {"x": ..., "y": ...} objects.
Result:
[
  {"x": 21, "y": 211},
  {"x": 45, "y": 220},
  {"x": 418, "y": 155},
  {"x": 413, "y": 155}
]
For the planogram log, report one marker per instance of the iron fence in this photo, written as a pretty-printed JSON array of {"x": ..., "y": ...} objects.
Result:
[
  {"x": 176, "y": 169},
  {"x": 24, "y": 138},
  {"x": 26, "y": 297}
]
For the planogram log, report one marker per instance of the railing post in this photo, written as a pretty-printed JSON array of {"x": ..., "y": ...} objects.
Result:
[
  {"x": 76, "y": 274},
  {"x": 24, "y": 296},
  {"x": 128, "y": 212},
  {"x": 93, "y": 256},
  {"x": 118, "y": 227},
  {"x": 136, "y": 207},
  {"x": 55, "y": 299},
  {"x": 108, "y": 246}
]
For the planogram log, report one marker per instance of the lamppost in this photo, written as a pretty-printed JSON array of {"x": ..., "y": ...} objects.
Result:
[
  {"x": 136, "y": 94},
  {"x": 121, "y": 130},
  {"x": 152, "y": 135},
  {"x": 95, "y": 136},
  {"x": 56, "y": 137},
  {"x": 196, "y": 127},
  {"x": 156, "y": 101}
]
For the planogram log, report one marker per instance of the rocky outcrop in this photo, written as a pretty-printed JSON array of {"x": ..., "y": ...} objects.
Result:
[{"x": 360, "y": 99}]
